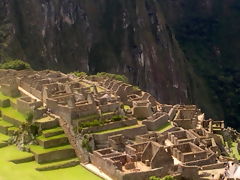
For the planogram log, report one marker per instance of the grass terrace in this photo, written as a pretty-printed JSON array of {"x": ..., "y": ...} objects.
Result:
[
  {"x": 13, "y": 113},
  {"x": 235, "y": 152},
  {"x": 26, "y": 171},
  {"x": 40, "y": 150},
  {"x": 118, "y": 129},
  {"x": 4, "y": 123},
  {"x": 3, "y": 97},
  {"x": 42, "y": 138},
  {"x": 3, "y": 137},
  {"x": 52, "y": 130},
  {"x": 45, "y": 119},
  {"x": 165, "y": 127}
]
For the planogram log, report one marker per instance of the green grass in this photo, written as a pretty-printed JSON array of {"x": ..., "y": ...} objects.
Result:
[
  {"x": 5, "y": 124},
  {"x": 3, "y": 137},
  {"x": 40, "y": 150},
  {"x": 13, "y": 128},
  {"x": 126, "y": 107},
  {"x": 235, "y": 151},
  {"x": 118, "y": 129},
  {"x": 52, "y": 130},
  {"x": 56, "y": 163},
  {"x": 3, "y": 97},
  {"x": 42, "y": 138},
  {"x": 45, "y": 119},
  {"x": 165, "y": 127},
  {"x": 13, "y": 113},
  {"x": 26, "y": 171}
]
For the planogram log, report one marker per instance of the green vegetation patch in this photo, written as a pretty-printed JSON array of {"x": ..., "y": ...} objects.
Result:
[
  {"x": 5, "y": 124},
  {"x": 26, "y": 171},
  {"x": 3, "y": 137},
  {"x": 56, "y": 163},
  {"x": 13, "y": 113},
  {"x": 118, "y": 129},
  {"x": 165, "y": 127},
  {"x": 42, "y": 138},
  {"x": 3, "y": 97},
  {"x": 17, "y": 154},
  {"x": 15, "y": 64},
  {"x": 52, "y": 130},
  {"x": 118, "y": 77},
  {"x": 126, "y": 107},
  {"x": 235, "y": 152},
  {"x": 40, "y": 150},
  {"x": 45, "y": 119}
]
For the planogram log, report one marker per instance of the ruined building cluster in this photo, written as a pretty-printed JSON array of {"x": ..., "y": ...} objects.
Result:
[{"x": 134, "y": 135}]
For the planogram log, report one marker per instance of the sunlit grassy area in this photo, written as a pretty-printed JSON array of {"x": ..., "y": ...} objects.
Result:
[
  {"x": 40, "y": 150},
  {"x": 53, "y": 130},
  {"x": 26, "y": 171},
  {"x": 42, "y": 138},
  {"x": 13, "y": 99},
  {"x": 3, "y": 137},
  {"x": 4, "y": 123},
  {"x": 13, "y": 113},
  {"x": 126, "y": 107},
  {"x": 118, "y": 129},
  {"x": 235, "y": 151},
  {"x": 165, "y": 127},
  {"x": 45, "y": 119}
]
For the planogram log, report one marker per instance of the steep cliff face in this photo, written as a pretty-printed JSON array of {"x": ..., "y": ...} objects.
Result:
[
  {"x": 208, "y": 33},
  {"x": 126, "y": 37},
  {"x": 135, "y": 38}
]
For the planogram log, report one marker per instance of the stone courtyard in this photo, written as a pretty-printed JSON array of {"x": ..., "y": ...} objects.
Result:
[{"x": 108, "y": 124}]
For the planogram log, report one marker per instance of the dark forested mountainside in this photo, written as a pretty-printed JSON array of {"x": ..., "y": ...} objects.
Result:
[{"x": 183, "y": 51}]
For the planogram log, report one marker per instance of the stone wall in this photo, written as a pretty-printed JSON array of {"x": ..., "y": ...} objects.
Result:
[
  {"x": 112, "y": 125},
  {"x": 55, "y": 156},
  {"x": 111, "y": 107},
  {"x": 153, "y": 125},
  {"x": 26, "y": 105}
]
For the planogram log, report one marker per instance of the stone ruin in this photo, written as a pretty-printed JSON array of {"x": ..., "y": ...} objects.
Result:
[{"x": 124, "y": 144}]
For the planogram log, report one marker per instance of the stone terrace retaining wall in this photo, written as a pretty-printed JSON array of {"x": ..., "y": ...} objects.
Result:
[
  {"x": 12, "y": 120},
  {"x": 112, "y": 125},
  {"x": 55, "y": 156}
]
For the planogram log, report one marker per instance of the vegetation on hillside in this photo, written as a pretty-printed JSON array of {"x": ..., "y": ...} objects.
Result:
[
  {"x": 15, "y": 64},
  {"x": 118, "y": 77}
]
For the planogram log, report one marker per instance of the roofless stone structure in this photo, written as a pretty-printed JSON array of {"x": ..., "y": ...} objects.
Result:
[{"x": 119, "y": 129}]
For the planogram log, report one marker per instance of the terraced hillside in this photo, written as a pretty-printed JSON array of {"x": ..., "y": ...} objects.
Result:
[{"x": 52, "y": 153}]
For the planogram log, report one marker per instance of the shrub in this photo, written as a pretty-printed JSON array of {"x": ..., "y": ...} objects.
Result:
[
  {"x": 29, "y": 117},
  {"x": 117, "y": 118},
  {"x": 15, "y": 64},
  {"x": 80, "y": 74},
  {"x": 118, "y": 77},
  {"x": 85, "y": 144}
]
